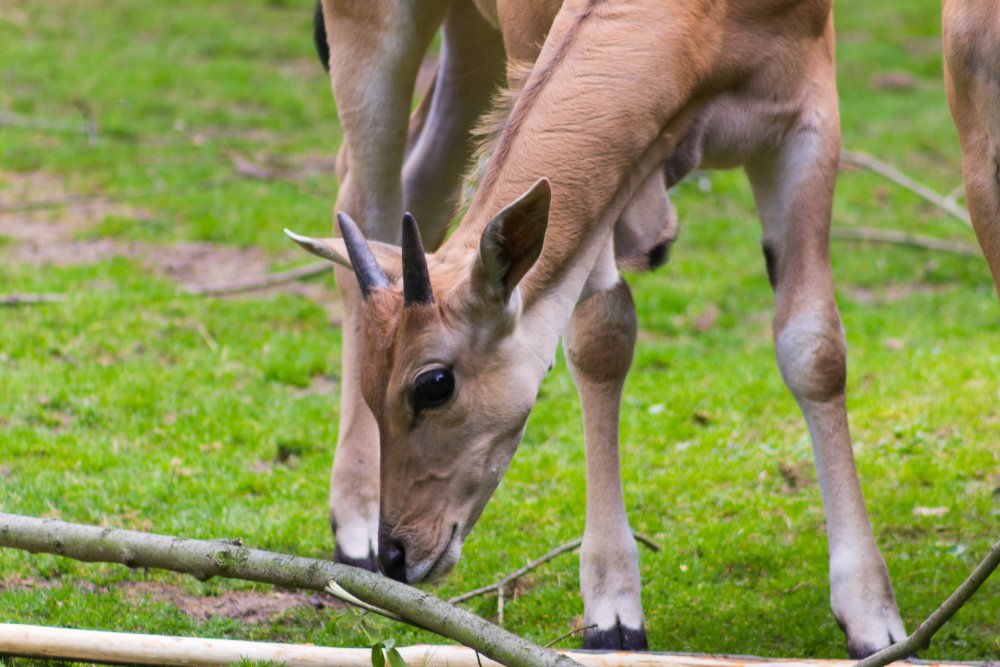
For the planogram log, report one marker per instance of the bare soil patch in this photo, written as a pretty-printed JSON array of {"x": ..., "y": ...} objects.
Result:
[
  {"x": 51, "y": 236},
  {"x": 245, "y": 606}
]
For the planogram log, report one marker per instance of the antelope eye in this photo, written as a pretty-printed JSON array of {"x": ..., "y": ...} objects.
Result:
[{"x": 433, "y": 388}]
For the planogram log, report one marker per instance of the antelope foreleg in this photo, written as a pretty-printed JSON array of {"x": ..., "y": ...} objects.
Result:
[
  {"x": 599, "y": 344},
  {"x": 794, "y": 190}
]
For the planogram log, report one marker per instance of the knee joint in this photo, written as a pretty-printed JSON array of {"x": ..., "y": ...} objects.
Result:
[
  {"x": 812, "y": 356},
  {"x": 601, "y": 336}
]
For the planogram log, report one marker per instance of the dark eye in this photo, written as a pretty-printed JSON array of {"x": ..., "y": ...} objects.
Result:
[{"x": 432, "y": 388}]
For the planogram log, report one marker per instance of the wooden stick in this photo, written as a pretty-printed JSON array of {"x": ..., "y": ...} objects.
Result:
[
  {"x": 29, "y": 299},
  {"x": 119, "y": 647},
  {"x": 884, "y": 170},
  {"x": 906, "y": 239},
  {"x": 206, "y": 559},
  {"x": 501, "y": 585},
  {"x": 921, "y": 637},
  {"x": 270, "y": 280}
]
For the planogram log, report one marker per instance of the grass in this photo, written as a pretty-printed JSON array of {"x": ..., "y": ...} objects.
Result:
[{"x": 136, "y": 405}]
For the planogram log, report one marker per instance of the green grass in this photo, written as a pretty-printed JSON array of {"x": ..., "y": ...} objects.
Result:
[{"x": 136, "y": 405}]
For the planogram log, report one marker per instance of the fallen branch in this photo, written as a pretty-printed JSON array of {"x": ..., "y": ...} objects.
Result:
[
  {"x": 501, "y": 585},
  {"x": 206, "y": 559},
  {"x": 921, "y": 637},
  {"x": 906, "y": 239},
  {"x": 270, "y": 280},
  {"x": 884, "y": 170},
  {"x": 28, "y": 299}
]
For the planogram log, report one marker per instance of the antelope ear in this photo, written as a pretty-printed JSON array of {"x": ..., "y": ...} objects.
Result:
[
  {"x": 387, "y": 255},
  {"x": 512, "y": 242}
]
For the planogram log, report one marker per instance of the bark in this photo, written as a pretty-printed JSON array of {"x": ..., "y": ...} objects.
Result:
[
  {"x": 921, "y": 637},
  {"x": 219, "y": 558}
]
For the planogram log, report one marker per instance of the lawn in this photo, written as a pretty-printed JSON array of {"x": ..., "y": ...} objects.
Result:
[{"x": 136, "y": 404}]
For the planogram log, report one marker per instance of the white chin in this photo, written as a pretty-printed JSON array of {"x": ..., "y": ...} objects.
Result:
[{"x": 433, "y": 570}]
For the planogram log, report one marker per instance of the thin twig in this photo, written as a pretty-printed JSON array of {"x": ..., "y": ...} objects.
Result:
[
  {"x": 558, "y": 551},
  {"x": 101, "y": 198},
  {"x": 572, "y": 632},
  {"x": 517, "y": 574},
  {"x": 29, "y": 299},
  {"x": 269, "y": 280},
  {"x": 906, "y": 239},
  {"x": 921, "y": 637},
  {"x": 338, "y": 591},
  {"x": 956, "y": 192},
  {"x": 206, "y": 336},
  {"x": 9, "y": 119},
  {"x": 645, "y": 539},
  {"x": 884, "y": 170}
]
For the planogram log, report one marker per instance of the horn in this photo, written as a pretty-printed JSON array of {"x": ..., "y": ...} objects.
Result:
[
  {"x": 368, "y": 271},
  {"x": 416, "y": 279}
]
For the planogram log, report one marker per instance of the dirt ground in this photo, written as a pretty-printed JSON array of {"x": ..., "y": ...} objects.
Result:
[
  {"x": 245, "y": 606},
  {"x": 53, "y": 234}
]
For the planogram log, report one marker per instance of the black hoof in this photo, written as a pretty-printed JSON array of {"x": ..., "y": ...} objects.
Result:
[
  {"x": 367, "y": 563},
  {"x": 616, "y": 638}
]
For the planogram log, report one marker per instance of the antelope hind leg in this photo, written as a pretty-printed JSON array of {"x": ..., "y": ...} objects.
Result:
[
  {"x": 793, "y": 187},
  {"x": 471, "y": 68},
  {"x": 599, "y": 344}
]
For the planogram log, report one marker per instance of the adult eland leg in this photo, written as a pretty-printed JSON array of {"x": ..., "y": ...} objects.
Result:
[
  {"x": 471, "y": 68},
  {"x": 599, "y": 343},
  {"x": 793, "y": 187},
  {"x": 974, "y": 99},
  {"x": 376, "y": 47}
]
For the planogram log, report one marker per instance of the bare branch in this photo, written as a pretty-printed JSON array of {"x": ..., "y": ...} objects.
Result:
[
  {"x": 206, "y": 559},
  {"x": 270, "y": 280},
  {"x": 29, "y": 299},
  {"x": 565, "y": 635},
  {"x": 572, "y": 545},
  {"x": 865, "y": 161},
  {"x": 903, "y": 238},
  {"x": 921, "y": 637},
  {"x": 645, "y": 539},
  {"x": 517, "y": 574},
  {"x": 21, "y": 121}
]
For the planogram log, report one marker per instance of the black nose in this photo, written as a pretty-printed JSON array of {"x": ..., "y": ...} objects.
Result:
[{"x": 392, "y": 559}]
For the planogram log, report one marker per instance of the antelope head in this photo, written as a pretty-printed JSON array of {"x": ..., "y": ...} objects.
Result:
[{"x": 448, "y": 373}]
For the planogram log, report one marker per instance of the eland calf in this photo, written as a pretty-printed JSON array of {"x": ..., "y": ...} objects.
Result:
[{"x": 448, "y": 350}]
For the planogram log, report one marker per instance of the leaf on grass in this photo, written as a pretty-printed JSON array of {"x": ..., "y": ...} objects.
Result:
[
  {"x": 930, "y": 511},
  {"x": 395, "y": 659}
]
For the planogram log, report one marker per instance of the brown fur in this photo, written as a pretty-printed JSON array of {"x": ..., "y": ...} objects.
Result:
[{"x": 971, "y": 35}]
